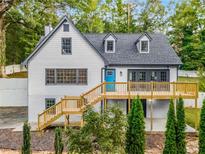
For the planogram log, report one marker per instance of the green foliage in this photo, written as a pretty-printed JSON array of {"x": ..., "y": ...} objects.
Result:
[
  {"x": 135, "y": 135},
  {"x": 201, "y": 74},
  {"x": 26, "y": 147},
  {"x": 187, "y": 33},
  {"x": 180, "y": 129},
  {"x": 170, "y": 134},
  {"x": 58, "y": 143},
  {"x": 202, "y": 130},
  {"x": 102, "y": 132}
]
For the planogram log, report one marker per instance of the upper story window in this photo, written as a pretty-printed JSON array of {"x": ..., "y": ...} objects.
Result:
[
  {"x": 110, "y": 46},
  {"x": 144, "y": 46},
  {"x": 66, "y": 46},
  {"x": 66, "y": 27}
]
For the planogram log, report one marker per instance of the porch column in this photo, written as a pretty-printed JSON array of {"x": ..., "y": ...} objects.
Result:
[{"x": 151, "y": 115}]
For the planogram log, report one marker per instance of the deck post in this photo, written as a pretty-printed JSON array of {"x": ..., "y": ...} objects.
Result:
[
  {"x": 81, "y": 121},
  {"x": 66, "y": 122},
  {"x": 105, "y": 100},
  {"x": 196, "y": 114},
  {"x": 151, "y": 115},
  {"x": 129, "y": 96}
]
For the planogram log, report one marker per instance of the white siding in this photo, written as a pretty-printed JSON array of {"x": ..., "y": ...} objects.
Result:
[{"x": 49, "y": 56}]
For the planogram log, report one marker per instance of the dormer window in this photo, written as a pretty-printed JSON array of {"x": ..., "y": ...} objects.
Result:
[
  {"x": 144, "y": 46},
  {"x": 110, "y": 46}
]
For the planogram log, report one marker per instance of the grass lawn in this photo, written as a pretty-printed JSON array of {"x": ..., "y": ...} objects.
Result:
[
  {"x": 190, "y": 116},
  {"x": 188, "y": 79},
  {"x": 18, "y": 75}
]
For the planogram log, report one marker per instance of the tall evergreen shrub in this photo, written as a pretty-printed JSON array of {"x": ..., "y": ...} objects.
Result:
[
  {"x": 135, "y": 135},
  {"x": 180, "y": 129},
  {"x": 202, "y": 130},
  {"x": 170, "y": 134},
  {"x": 58, "y": 143},
  {"x": 26, "y": 147}
]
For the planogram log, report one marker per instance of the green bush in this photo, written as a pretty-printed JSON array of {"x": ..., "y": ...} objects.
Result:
[
  {"x": 180, "y": 129},
  {"x": 135, "y": 135},
  {"x": 170, "y": 134},
  {"x": 102, "y": 132},
  {"x": 58, "y": 143},
  {"x": 26, "y": 147},
  {"x": 202, "y": 130}
]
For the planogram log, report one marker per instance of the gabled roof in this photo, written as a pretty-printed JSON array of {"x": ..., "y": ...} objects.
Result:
[
  {"x": 144, "y": 34},
  {"x": 110, "y": 34},
  {"x": 44, "y": 39},
  {"x": 161, "y": 52}
]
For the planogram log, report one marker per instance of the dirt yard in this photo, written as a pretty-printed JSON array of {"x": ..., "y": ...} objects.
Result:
[{"x": 10, "y": 142}]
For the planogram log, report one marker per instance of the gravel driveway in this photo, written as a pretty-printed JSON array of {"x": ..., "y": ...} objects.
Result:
[{"x": 12, "y": 116}]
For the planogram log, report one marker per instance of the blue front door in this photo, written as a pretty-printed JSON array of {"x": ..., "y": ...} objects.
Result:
[{"x": 110, "y": 77}]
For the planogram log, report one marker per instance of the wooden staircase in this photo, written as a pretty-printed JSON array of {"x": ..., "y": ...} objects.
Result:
[{"x": 70, "y": 105}]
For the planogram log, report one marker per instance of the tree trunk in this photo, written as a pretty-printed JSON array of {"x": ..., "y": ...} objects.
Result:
[{"x": 2, "y": 47}]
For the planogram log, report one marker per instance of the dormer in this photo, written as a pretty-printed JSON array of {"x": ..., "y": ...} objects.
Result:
[
  {"x": 110, "y": 43},
  {"x": 143, "y": 43}
]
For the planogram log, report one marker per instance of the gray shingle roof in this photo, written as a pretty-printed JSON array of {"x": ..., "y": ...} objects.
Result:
[{"x": 161, "y": 53}]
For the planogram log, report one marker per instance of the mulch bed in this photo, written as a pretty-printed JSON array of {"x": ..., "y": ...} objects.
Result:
[{"x": 44, "y": 142}]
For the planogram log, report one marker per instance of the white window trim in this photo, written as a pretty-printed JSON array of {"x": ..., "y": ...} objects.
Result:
[
  {"x": 109, "y": 51},
  {"x": 141, "y": 44}
]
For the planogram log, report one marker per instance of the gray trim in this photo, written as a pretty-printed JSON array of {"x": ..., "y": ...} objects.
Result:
[
  {"x": 148, "y": 75},
  {"x": 56, "y": 84},
  {"x": 63, "y": 53}
]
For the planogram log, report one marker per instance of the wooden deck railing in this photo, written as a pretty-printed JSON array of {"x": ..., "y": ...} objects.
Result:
[{"x": 117, "y": 90}]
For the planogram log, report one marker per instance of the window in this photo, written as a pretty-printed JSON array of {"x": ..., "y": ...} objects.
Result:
[
  {"x": 142, "y": 76},
  {"x": 110, "y": 46},
  {"x": 50, "y": 76},
  {"x": 66, "y": 45},
  {"x": 66, "y": 76},
  {"x": 163, "y": 76},
  {"x": 153, "y": 76},
  {"x": 66, "y": 27},
  {"x": 144, "y": 46},
  {"x": 49, "y": 102}
]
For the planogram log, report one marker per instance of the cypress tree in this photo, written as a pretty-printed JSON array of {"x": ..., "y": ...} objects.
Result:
[
  {"x": 58, "y": 144},
  {"x": 170, "y": 134},
  {"x": 26, "y": 147},
  {"x": 135, "y": 135},
  {"x": 202, "y": 130},
  {"x": 180, "y": 129}
]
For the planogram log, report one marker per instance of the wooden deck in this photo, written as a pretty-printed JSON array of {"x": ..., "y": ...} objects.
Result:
[{"x": 118, "y": 90}]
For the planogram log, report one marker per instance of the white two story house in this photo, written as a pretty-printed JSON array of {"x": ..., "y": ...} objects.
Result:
[{"x": 67, "y": 62}]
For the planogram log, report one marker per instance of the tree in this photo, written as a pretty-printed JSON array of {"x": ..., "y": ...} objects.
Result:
[
  {"x": 26, "y": 147},
  {"x": 186, "y": 33},
  {"x": 26, "y": 23},
  {"x": 58, "y": 143},
  {"x": 4, "y": 8},
  {"x": 151, "y": 17},
  {"x": 135, "y": 135},
  {"x": 170, "y": 134},
  {"x": 202, "y": 130},
  {"x": 181, "y": 126},
  {"x": 201, "y": 75}
]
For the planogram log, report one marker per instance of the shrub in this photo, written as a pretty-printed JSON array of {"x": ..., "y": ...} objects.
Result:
[
  {"x": 180, "y": 128},
  {"x": 135, "y": 135},
  {"x": 170, "y": 134},
  {"x": 58, "y": 143},
  {"x": 26, "y": 147},
  {"x": 102, "y": 132},
  {"x": 202, "y": 130}
]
